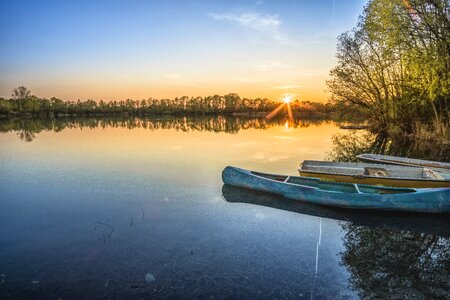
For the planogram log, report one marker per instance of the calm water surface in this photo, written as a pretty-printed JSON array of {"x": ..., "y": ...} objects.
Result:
[{"x": 120, "y": 210}]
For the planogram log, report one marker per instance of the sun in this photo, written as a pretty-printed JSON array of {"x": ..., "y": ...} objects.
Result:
[
  {"x": 287, "y": 99},
  {"x": 285, "y": 103}
]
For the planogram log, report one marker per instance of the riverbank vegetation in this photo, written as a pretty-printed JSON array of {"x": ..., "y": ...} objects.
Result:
[
  {"x": 346, "y": 146},
  {"x": 23, "y": 103},
  {"x": 393, "y": 67}
]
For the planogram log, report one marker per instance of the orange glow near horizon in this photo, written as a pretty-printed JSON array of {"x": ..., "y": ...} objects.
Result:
[{"x": 138, "y": 88}]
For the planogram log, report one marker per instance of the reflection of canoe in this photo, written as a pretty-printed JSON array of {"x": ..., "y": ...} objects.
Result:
[
  {"x": 423, "y": 223},
  {"x": 391, "y": 175},
  {"x": 347, "y": 195},
  {"x": 397, "y": 160}
]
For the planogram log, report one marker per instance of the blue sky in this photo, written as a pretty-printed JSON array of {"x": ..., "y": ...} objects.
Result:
[{"x": 137, "y": 49}]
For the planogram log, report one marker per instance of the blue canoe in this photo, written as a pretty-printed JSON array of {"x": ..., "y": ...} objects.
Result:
[{"x": 346, "y": 195}]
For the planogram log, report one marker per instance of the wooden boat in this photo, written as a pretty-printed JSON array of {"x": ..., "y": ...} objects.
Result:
[
  {"x": 347, "y": 195},
  {"x": 374, "y": 174},
  {"x": 405, "y": 161}
]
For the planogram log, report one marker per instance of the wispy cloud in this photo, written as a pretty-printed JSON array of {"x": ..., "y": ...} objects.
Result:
[
  {"x": 268, "y": 26},
  {"x": 173, "y": 76},
  {"x": 287, "y": 87},
  {"x": 243, "y": 80},
  {"x": 307, "y": 73},
  {"x": 256, "y": 21},
  {"x": 271, "y": 65},
  {"x": 266, "y": 65}
]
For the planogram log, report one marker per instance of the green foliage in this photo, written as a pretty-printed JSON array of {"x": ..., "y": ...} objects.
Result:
[
  {"x": 346, "y": 146},
  {"x": 394, "y": 64},
  {"x": 20, "y": 93},
  {"x": 6, "y": 106}
]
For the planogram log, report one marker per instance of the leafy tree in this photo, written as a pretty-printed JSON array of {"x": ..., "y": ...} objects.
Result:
[
  {"x": 232, "y": 101},
  {"x": 5, "y": 106},
  {"x": 20, "y": 93},
  {"x": 394, "y": 64}
]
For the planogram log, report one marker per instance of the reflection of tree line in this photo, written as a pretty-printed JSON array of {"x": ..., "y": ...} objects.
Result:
[
  {"x": 386, "y": 264},
  {"x": 347, "y": 146},
  {"x": 27, "y": 128}
]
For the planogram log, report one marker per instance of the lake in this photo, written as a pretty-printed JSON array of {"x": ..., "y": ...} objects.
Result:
[{"x": 135, "y": 209}]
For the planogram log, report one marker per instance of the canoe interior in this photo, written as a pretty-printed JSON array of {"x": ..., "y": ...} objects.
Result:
[
  {"x": 375, "y": 170},
  {"x": 332, "y": 186}
]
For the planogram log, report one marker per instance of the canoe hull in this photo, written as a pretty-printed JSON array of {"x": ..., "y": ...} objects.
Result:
[
  {"x": 423, "y": 200},
  {"x": 409, "y": 183}
]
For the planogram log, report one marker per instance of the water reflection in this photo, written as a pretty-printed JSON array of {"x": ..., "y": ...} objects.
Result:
[
  {"x": 103, "y": 208},
  {"x": 389, "y": 256},
  {"x": 387, "y": 264},
  {"x": 419, "y": 223},
  {"x": 76, "y": 197},
  {"x": 347, "y": 145},
  {"x": 27, "y": 129}
]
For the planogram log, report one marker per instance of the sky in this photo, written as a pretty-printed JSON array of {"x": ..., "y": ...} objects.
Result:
[{"x": 114, "y": 50}]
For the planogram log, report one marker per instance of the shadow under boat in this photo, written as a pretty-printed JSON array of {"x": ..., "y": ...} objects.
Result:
[{"x": 417, "y": 222}]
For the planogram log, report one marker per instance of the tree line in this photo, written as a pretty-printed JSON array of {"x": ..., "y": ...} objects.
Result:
[
  {"x": 23, "y": 102},
  {"x": 393, "y": 67}
]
